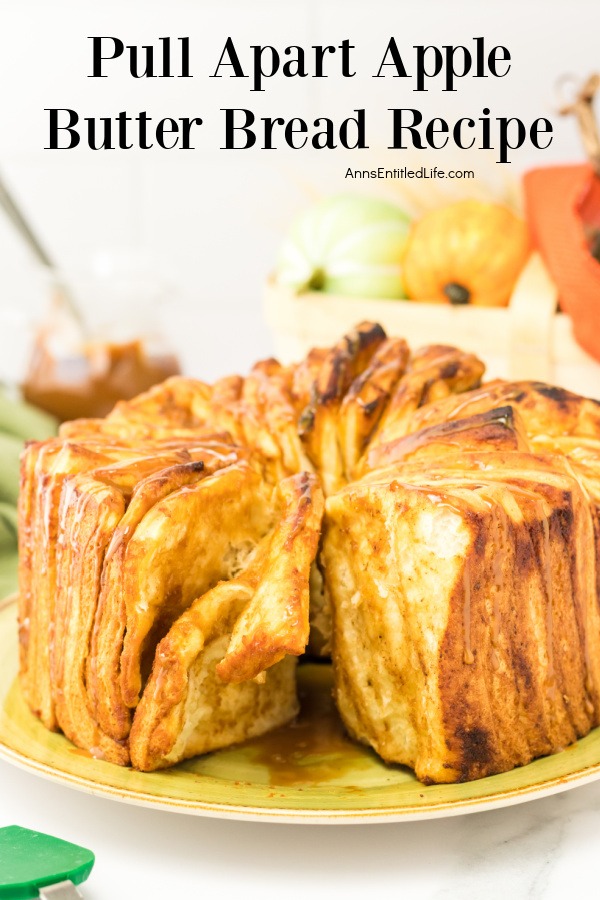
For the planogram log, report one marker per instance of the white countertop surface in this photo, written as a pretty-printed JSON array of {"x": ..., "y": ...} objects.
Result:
[{"x": 546, "y": 848}]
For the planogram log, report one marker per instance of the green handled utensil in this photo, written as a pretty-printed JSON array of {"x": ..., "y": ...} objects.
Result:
[{"x": 33, "y": 864}]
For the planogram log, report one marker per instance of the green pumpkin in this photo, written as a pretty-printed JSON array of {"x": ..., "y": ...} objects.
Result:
[{"x": 348, "y": 245}]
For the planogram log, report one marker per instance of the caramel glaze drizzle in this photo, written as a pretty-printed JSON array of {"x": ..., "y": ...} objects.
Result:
[
  {"x": 547, "y": 564},
  {"x": 468, "y": 655},
  {"x": 501, "y": 518},
  {"x": 546, "y": 570},
  {"x": 589, "y": 525},
  {"x": 501, "y": 522}
]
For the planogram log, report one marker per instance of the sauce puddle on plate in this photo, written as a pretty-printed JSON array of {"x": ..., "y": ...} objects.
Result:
[{"x": 315, "y": 747}]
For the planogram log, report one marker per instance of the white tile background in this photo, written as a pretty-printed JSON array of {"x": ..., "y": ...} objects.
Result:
[{"x": 212, "y": 220}]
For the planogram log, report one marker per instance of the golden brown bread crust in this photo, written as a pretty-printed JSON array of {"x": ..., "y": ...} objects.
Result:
[
  {"x": 253, "y": 636},
  {"x": 45, "y": 467},
  {"x": 185, "y": 544},
  {"x": 367, "y": 398},
  {"x": 470, "y": 642},
  {"x": 168, "y": 552},
  {"x": 275, "y": 623},
  {"x": 90, "y": 512},
  {"x": 362, "y": 393},
  {"x": 104, "y": 659},
  {"x": 190, "y": 523},
  {"x": 464, "y": 580}
]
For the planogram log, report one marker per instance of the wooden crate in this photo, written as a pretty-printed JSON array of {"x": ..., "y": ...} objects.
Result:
[{"x": 528, "y": 339}]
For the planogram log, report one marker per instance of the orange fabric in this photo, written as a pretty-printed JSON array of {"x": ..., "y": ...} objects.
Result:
[{"x": 561, "y": 203}]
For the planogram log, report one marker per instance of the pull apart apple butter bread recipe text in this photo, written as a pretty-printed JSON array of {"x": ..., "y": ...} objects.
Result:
[{"x": 438, "y": 537}]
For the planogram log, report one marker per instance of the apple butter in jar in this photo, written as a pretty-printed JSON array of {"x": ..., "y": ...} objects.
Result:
[{"x": 104, "y": 345}]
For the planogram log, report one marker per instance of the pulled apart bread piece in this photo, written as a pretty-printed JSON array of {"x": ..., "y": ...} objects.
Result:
[
  {"x": 225, "y": 670},
  {"x": 441, "y": 538}
]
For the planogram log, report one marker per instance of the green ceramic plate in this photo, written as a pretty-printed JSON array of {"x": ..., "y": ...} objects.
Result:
[{"x": 309, "y": 772}]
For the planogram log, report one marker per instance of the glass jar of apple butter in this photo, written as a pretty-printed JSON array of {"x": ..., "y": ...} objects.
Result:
[{"x": 113, "y": 349}]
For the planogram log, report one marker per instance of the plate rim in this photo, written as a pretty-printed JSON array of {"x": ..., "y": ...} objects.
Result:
[
  {"x": 287, "y": 815},
  {"x": 368, "y": 815}
]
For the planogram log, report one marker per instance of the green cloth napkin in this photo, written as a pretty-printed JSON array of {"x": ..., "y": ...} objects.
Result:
[
  {"x": 8, "y": 527},
  {"x": 10, "y": 452},
  {"x": 18, "y": 422},
  {"x": 23, "y": 420},
  {"x": 9, "y": 582}
]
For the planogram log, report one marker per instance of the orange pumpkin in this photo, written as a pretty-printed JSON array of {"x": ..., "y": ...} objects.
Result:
[{"x": 466, "y": 252}]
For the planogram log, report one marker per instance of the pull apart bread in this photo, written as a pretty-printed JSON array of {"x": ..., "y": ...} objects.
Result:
[{"x": 439, "y": 537}]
